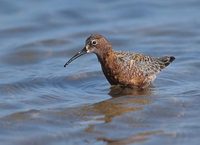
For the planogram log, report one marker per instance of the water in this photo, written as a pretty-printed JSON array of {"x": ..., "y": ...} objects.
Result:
[{"x": 42, "y": 102}]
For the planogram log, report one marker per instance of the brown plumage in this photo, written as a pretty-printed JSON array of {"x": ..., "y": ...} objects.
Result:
[{"x": 123, "y": 68}]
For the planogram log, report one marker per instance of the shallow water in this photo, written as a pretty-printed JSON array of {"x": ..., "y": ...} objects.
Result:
[{"x": 42, "y": 102}]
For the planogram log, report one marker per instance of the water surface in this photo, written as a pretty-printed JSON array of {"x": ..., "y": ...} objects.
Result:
[{"x": 42, "y": 102}]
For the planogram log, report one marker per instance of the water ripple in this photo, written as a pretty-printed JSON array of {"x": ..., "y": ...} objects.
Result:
[{"x": 41, "y": 102}]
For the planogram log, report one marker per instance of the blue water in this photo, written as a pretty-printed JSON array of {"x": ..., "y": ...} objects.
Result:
[{"x": 43, "y": 103}]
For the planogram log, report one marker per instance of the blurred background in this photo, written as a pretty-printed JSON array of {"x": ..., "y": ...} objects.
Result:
[{"x": 43, "y": 103}]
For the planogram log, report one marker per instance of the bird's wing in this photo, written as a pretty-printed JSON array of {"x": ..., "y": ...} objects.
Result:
[{"x": 139, "y": 63}]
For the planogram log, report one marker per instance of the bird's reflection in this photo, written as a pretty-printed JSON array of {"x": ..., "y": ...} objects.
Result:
[
  {"x": 117, "y": 91},
  {"x": 123, "y": 100},
  {"x": 140, "y": 137}
]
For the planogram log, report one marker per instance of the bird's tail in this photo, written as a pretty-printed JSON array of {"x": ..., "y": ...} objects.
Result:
[{"x": 166, "y": 60}]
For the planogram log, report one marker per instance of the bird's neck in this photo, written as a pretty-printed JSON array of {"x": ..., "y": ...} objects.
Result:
[
  {"x": 108, "y": 65},
  {"x": 106, "y": 57}
]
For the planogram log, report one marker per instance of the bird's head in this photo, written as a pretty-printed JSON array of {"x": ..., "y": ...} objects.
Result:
[{"x": 96, "y": 43}]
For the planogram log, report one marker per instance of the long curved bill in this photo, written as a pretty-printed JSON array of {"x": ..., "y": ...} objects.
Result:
[{"x": 82, "y": 52}]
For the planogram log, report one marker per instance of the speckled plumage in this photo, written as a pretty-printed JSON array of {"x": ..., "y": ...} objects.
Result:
[{"x": 124, "y": 68}]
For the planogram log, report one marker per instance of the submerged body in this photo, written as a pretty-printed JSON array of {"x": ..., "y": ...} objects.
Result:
[{"x": 124, "y": 68}]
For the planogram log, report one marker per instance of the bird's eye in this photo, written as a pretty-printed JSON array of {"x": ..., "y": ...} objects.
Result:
[{"x": 94, "y": 42}]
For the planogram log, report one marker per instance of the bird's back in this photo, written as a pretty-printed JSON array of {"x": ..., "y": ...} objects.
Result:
[{"x": 139, "y": 68}]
